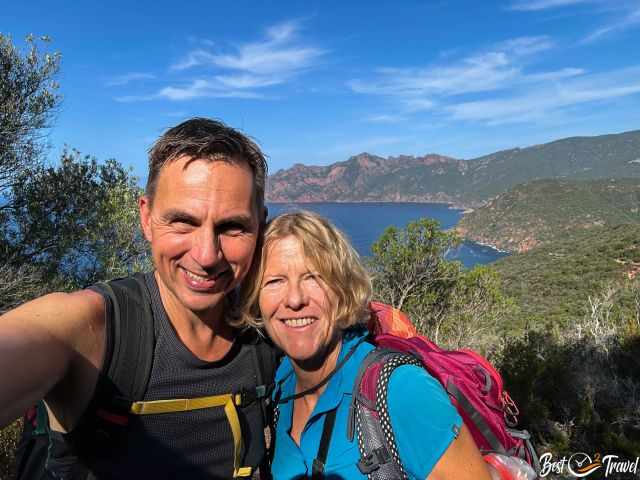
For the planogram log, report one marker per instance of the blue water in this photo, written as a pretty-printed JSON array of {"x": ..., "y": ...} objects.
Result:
[{"x": 365, "y": 222}]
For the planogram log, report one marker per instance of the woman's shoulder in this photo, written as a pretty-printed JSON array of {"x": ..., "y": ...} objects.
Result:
[{"x": 421, "y": 413}]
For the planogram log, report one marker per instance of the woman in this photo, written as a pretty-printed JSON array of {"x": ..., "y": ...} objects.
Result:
[{"x": 311, "y": 294}]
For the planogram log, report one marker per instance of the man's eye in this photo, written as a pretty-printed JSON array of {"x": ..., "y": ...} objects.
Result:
[
  {"x": 182, "y": 224},
  {"x": 232, "y": 229}
]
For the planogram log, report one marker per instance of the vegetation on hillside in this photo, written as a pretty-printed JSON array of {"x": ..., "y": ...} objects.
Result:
[
  {"x": 541, "y": 211},
  {"x": 578, "y": 387},
  {"x": 453, "y": 306},
  {"x": 551, "y": 284}
]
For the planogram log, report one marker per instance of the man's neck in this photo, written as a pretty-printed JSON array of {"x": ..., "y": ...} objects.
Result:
[{"x": 206, "y": 334}]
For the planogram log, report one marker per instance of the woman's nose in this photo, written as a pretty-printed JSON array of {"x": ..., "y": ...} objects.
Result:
[{"x": 296, "y": 296}]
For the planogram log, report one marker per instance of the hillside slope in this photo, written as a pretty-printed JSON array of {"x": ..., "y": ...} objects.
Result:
[
  {"x": 552, "y": 283},
  {"x": 535, "y": 213}
]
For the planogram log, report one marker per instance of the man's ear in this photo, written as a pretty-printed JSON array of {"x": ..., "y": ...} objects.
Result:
[{"x": 144, "y": 206}]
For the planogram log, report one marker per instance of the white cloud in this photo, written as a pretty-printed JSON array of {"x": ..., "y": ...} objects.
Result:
[
  {"x": 271, "y": 61},
  {"x": 495, "y": 69},
  {"x": 534, "y": 5},
  {"x": 384, "y": 118},
  {"x": 554, "y": 75},
  {"x": 549, "y": 98},
  {"x": 200, "y": 88},
  {"x": 193, "y": 59},
  {"x": 631, "y": 19},
  {"x": 496, "y": 86},
  {"x": 127, "y": 78},
  {"x": 245, "y": 70}
]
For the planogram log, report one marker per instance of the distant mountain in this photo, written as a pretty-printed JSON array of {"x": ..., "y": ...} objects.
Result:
[
  {"x": 369, "y": 178},
  {"x": 436, "y": 178},
  {"x": 552, "y": 283},
  {"x": 541, "y": 211}
]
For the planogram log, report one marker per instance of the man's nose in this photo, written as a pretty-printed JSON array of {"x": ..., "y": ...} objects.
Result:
[
  {"x": 296, "y": 296},
  {"x": 206, "y": 248}
]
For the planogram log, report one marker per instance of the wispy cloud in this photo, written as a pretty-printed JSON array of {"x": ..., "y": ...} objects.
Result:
[
  {"x": 127, "y": 78},
  {"x": 491, "y": 70},
  {"x": 534, "y": 5},
  {"x": 549, "y": 98},
  {"x": 626, "y": 13},
  {"x": 384, "y": 118},
  {"x": 196, "y": 89},
  {"x": 629, "y": 20},
  {"x": 496, "y": 86},
  {"x": 244, "y": 70}
]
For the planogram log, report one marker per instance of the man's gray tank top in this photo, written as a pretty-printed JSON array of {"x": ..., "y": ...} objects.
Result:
[{"x": 190, "y": 445}]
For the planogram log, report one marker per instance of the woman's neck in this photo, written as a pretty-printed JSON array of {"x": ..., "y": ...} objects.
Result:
[{"x": 310, "y": 373}]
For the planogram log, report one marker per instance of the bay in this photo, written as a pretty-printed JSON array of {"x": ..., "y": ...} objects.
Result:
[{"x": 364, "y": 223}]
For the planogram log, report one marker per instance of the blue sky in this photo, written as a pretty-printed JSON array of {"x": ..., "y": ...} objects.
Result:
[{"x": 317, "y": 82}]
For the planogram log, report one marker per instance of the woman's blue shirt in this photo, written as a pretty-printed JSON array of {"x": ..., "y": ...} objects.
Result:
[{"x": 423, "y": 419}]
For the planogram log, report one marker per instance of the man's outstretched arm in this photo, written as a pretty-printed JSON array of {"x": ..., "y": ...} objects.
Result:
[{"x": 52, "y": 348}]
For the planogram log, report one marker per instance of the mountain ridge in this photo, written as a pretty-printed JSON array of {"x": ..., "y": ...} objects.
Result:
[{"x": 463, "y": 183}]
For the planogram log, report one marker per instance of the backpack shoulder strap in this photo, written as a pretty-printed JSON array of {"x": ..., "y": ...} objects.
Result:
[
  {"x": 130, "y": 335},
  {"x": 369, "y": 414}
]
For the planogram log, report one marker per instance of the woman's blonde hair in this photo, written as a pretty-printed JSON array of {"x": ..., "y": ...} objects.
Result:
[{"x": 328, "y": 252}]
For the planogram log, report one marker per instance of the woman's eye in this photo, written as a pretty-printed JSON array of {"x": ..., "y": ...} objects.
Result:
[{"x": 312, "y": 277}]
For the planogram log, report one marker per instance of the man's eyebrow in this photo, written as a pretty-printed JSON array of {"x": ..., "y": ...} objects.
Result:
[
  {"x": 175, "y": 215},
  {"x": 244, "y": 220}
]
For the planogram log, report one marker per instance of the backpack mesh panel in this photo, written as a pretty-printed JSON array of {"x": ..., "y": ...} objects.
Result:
[{"x": 376, "y": 431}]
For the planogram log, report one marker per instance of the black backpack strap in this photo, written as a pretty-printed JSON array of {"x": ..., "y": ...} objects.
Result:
[
  {"x": 131, "y": 334},
  {"x": 317, "y": 472},
  {"x": 266, "y": 359}
]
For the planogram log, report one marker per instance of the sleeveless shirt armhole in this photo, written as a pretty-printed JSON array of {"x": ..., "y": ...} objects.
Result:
[
  {"x": 108, "y": 328},
  {"x": 423, "y": 419}
]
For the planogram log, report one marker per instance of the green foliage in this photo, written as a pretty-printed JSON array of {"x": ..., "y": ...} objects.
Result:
[
  {"x": 28, "y": 98},
  {"x": 454, "y": 307},
  {"x": 542, "y": 211},
  {"x": 409, "y": 270},
  {"x": 479, "y": 313},
  {"x": 76, "y": 221},
  {"x": 552, "y": 283},
  {"x": 8, "y": 442},
  {"x": 578, "y": 389}
]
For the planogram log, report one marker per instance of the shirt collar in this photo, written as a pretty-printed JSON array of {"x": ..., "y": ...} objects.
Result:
[{"x": 340, "y": 384}]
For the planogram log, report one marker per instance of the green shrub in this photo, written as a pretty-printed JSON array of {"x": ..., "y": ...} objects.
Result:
[{"x": 8, "y": 441}]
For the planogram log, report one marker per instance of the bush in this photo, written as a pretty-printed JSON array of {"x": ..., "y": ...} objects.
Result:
[
  {"x": 9, "y": 437},
  {"x": 579, "y": 388}
]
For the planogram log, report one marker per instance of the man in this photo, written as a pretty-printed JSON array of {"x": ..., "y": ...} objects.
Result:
[{"x": 202, "y": 213}]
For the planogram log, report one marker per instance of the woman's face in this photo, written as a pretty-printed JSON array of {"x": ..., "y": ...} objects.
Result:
[{"x": 296, "y": 304}]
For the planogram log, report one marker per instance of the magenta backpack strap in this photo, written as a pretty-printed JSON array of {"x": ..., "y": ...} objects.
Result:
[{"x": 474, "y": 416}]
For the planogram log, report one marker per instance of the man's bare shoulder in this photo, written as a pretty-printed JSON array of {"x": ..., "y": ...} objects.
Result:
[
  {"x": 58, "y": 341},
  {"x": 63, "y": 315}
]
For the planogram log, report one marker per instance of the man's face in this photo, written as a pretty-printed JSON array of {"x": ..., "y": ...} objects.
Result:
[{"x": 203, "y": 226}]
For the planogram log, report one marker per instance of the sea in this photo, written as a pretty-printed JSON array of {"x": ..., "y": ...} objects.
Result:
[{"x": 365, "y": 222}]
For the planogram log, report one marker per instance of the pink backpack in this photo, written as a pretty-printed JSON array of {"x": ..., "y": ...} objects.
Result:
[{"x": 475, "y": 388}]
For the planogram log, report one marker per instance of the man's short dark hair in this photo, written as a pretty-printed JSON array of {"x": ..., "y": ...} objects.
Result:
[{"x": 203, "y": 138}]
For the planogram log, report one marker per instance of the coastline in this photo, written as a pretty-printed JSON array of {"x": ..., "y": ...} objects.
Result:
[{"x": 364, "y": 223}]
